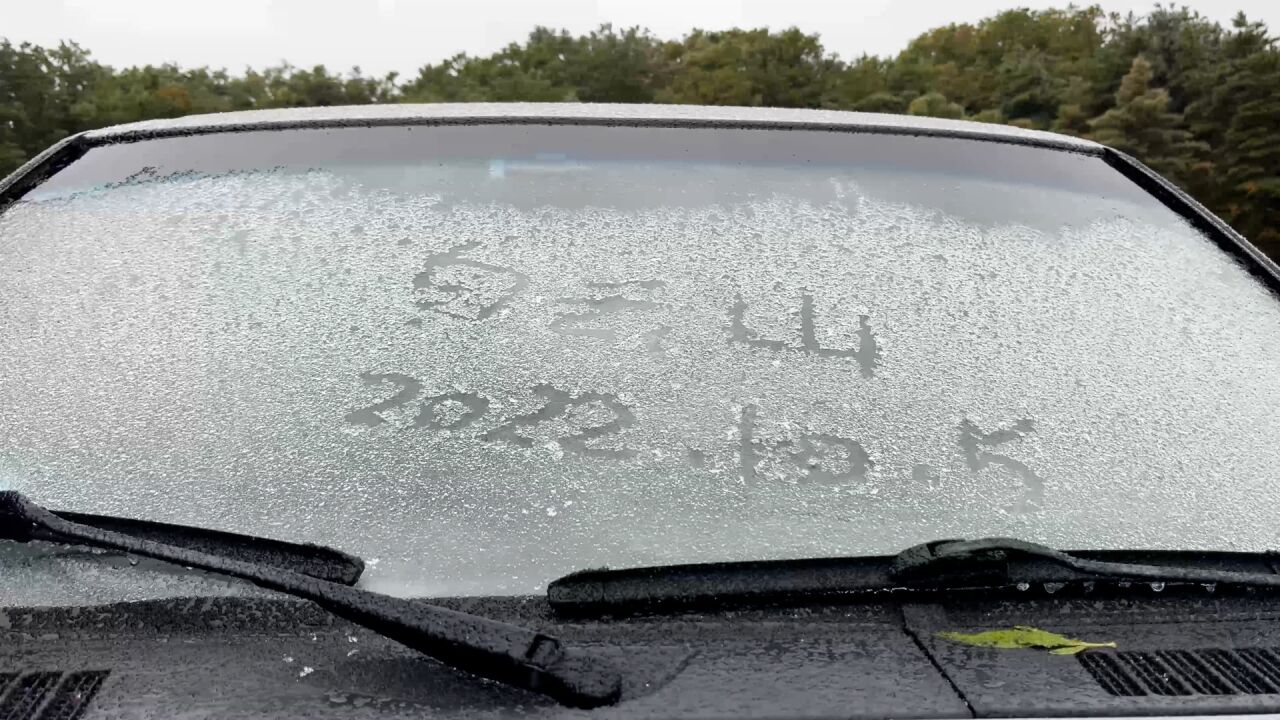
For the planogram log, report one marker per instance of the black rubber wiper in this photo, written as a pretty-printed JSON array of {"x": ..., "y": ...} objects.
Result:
[
  {"x": 947, "y": 562},
  {"x": 939, "y": 565},
  {"x": 500, "y": 651},
  {"x": 317, "y": 561}
]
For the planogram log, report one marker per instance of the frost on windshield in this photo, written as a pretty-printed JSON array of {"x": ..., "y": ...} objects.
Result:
[{"x": 477, "y": 395}]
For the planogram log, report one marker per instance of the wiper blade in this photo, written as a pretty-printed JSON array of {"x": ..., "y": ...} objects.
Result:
[
  {"x": 945, "y": 562},
  {"x": 939, "y": 565},
  {"x": 490, "y": 648},
  {"x": 318, "y": 561}
]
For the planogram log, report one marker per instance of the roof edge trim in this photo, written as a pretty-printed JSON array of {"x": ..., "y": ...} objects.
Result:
[{"x": 591, "y": 115}]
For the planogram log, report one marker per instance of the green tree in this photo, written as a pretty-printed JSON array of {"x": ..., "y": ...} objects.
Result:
[
  {"x": 1073, "y": 110},
  {"x": 935, "y": 104},
  {"x": 747, "y": 67},
  {"x": 500, "y": 78},
  {"x": 602, "y": 66},
  {"x": 1223, "y": 84},
  {"x": 1178, "y": 43},
  {"x": 1252, "y": 152},
  {"x": 1014, "y": 61},
  {"x": 990, "y": 115},
  {"x": 854, "y": 83},
  {"x": 1142, "y": 125},
  {"x": 881, "y": 102}
]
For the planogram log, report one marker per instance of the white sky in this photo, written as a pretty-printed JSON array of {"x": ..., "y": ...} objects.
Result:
[{"x": 402, "y": 35}]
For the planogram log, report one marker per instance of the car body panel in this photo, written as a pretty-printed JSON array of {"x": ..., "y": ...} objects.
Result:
[{"x": 707, "y": 116}]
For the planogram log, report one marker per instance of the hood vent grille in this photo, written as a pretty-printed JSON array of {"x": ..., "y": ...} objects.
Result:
[
  {"x": 1212, "y": 671},
  {"x": 48, "y": 695}
]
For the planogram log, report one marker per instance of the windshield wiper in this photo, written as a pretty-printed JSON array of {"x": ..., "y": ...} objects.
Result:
[
  {"x": 318, "y": 561},
  {"x": 500, "y": 651},
  {"x": 940, "y": 565},
  {"x": 945, "y": 562}
]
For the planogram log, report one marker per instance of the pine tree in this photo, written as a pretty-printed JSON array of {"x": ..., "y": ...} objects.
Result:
[
  {"x": 1142, "y": 125},
  {"x": 1251, "y": 151},
  {"x": 1073, "y": 113}
]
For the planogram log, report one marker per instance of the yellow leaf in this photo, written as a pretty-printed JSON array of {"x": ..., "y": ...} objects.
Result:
[{"x": 1024, "y": 637}]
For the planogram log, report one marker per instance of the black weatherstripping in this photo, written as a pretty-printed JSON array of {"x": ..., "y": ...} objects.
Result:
[
  {"x": 41, "y": 167},
  {"x": 944, "y": 565},
  {"x": 497, "y": 650}
]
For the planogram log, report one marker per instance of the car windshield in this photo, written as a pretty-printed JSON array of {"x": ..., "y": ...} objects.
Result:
[{"x": 482, "y": 357}]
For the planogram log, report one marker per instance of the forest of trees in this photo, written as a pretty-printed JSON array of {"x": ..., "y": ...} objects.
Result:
[{"x": 1197, "y": 101}]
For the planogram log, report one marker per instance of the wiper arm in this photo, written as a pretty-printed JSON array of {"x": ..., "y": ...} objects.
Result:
[
  {"x": 500, "y": 651},
  {"x": 318, "y": 561},
  {"x": 947, "y": 561},
  {"x": 940, "y": 565}
]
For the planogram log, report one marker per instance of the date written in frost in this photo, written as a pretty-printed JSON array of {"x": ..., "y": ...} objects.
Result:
[{"x": 593, "y": 424}]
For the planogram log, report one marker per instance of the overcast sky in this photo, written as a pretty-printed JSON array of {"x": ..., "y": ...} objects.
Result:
[{"x": 402, "y": 35}]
